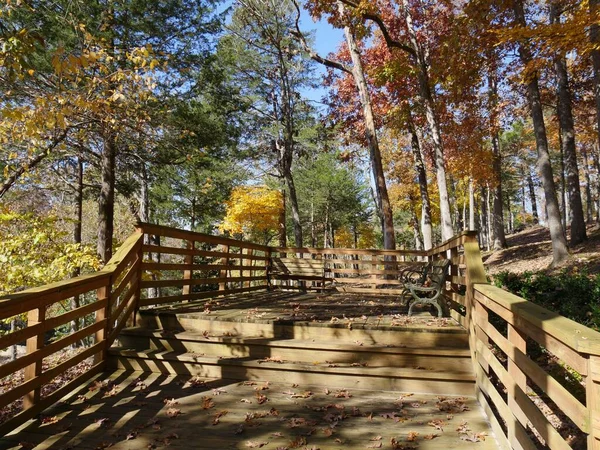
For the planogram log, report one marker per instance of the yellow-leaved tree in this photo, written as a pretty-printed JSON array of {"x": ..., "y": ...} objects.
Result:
[{"x": 253, "y": 212}]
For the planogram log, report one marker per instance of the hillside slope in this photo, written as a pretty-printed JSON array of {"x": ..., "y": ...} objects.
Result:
[{"x": 531, "y": 250}]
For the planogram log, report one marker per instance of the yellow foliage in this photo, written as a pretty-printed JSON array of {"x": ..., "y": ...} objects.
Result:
[
  {"x": 344, "y": 237},
  {"x": 253, "y": 210}
]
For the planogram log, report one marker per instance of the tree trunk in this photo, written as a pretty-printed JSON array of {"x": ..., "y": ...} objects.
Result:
[
  {"x": 416, "y": 230},
  {"x": 567, "y": 128},
  {"x": 588, "y": 187},
  {"x": 291, "y": 189},
  {"x": 498, "y": 214},
  {"x": 471, "y": 205},
  {"x": 313, "y": 231},
  {"x": 426, "y": 226},
  {"x": 563, "y": 186},
  {"x": 389, "y": 238},
  {"x": 282, "y": 225},
  {"x": 106, "y": 202},
  {"x": 422, "y": 68},
  {"x": 560, "y": 250},
  {"x": 75, "y": 303},
  {"x": 595, "y": 54},
  {"x": 532, "y": 198},
  {"x": 483, "y": 218}
]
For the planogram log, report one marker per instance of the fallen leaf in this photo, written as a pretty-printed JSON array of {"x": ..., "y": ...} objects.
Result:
[
  {"x": 218, "y": 416},
  {"x": 412, "y": 436},
  {"x": 429, "y": 437},
  {"x": 49, "y": 420},
  {"x": 131, "y": 435},
  {"x": 376, "y": 438},
  {"x": 173, "y": 412},
  {"x": 375, "y": 445},
  {"x": 169, "y": 403},
  {"x": 245, "y": 400},
  {"x": 302, "y": 395},
  {"x": 207, "y": 403}
]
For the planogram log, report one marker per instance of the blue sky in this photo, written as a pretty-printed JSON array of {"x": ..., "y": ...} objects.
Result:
[{"x": 326, "y": 40}]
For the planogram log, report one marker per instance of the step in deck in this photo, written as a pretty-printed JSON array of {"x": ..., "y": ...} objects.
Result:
[{"x": 337, "y": 375}]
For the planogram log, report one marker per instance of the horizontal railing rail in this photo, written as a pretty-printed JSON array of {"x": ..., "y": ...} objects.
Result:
[{"x": 96, "y": 307}]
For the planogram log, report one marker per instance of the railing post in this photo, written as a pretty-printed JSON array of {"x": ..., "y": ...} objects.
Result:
[
  {"x": 518, "y": 340},
  {"x": 223, "y": 272},
  {"x": 187, "y": 274},
  {"x": 103, "y": 294},
  {"x": 34, "y": 343},
  {"x": 248, "y": 261},
  {"x": 592, "y": 388},
  {"x": 268, "y": 267}
]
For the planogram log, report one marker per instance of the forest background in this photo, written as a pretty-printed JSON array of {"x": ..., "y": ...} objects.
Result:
[{"x": 438, "y": 116}]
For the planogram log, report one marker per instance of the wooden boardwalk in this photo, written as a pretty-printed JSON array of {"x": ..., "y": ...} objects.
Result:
[{"x": 135, "y": 410}]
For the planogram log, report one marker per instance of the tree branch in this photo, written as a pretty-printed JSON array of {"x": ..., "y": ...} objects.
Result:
[
  {"x": 390, "y": 42},
  {"x": 314, "y": 55},
  {"x": 10, "y": 181}
]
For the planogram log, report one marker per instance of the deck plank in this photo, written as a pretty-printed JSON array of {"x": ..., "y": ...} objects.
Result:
[{"x": 136, "y": 417}]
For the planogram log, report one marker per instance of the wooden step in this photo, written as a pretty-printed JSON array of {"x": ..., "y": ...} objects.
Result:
[
  {"x": 415, "y": 336},
  {"x": 323, "y": 374},
  {"x": 309, "y": 351}
]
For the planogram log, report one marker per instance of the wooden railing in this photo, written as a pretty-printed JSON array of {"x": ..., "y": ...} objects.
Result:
[
  {"x": 354, "y": 270},
  {"x": 507, "y": 335},
  {"x": 159, "y": 265},
  {"x": 107, "y": 298},
  {"x": 182, "y": 265}
]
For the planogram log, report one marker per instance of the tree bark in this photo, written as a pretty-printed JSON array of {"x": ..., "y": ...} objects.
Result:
[
  {"x": 560, "y": 251},
  {"x": 532, "y": 198},
  {"x": 282, "y": 224},
  {"x": 78, "y": 200},
  {"x": 422, "y": 66},
  {"x": 426, "y": 226},
  {"x": 595, "y": 55},
  {"x": 471, "y": 205},
  {"x": 106, "y": 202},
  {"x": 498, "y": 214},
  {"x": 291, "y": 188},
  {"x": 389, "y": 238},
  {"x": 588, "y": 187},
  {"x": 565, "y": 118}
]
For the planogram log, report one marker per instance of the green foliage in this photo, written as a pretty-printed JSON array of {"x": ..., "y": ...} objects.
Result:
[
  {"x": 574, "y": 295},
  {"x": 34, "y": 250}
]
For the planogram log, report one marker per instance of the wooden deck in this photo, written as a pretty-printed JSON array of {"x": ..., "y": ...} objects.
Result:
[
  {"x": 328, "y": 308},
  {"x": 135, "y": 410}
]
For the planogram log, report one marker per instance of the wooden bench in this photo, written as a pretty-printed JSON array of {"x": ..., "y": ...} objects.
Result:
[
  {"x": 299, "y": 269},
  {"x": 425, "y": 285}
]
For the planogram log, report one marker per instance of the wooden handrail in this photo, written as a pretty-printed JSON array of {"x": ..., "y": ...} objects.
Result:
[{"x": 37, "y": 302}]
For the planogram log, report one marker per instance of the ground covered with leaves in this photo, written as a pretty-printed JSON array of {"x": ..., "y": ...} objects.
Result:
[{"x": 147, "y": 411}]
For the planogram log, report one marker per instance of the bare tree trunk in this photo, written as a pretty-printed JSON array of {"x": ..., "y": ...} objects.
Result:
[
  {"x": 289, "y": 181},
  {"x": 498, "y": 215},
  {"x": 313, "y": 231},
  {"x": 471, "y": 205},
  {"x": 565, "y": 118},
  {"x": 560, "y": 250},
  {"x": 563, "y": 187},
  {"x": 75, "y": 303},
  {"x": 416, "y": 230},
  {"x": 596, "y": 160},
  {"x": 595, "y": 54},
  {"x": 106, "y": 202},
  {"x": 483, "y": 218},
  {"x": 422, "y": 66},
  {"x": 532, "y": 198},
  {"x": 588, "y": 187},
  {"x": 426, "y": 226},
  {"x": 282, "y": 226},
  {"x": 389, "y": 238}
]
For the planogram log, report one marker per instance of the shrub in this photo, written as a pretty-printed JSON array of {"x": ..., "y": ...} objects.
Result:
[{"x": 574, "y": 295}]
